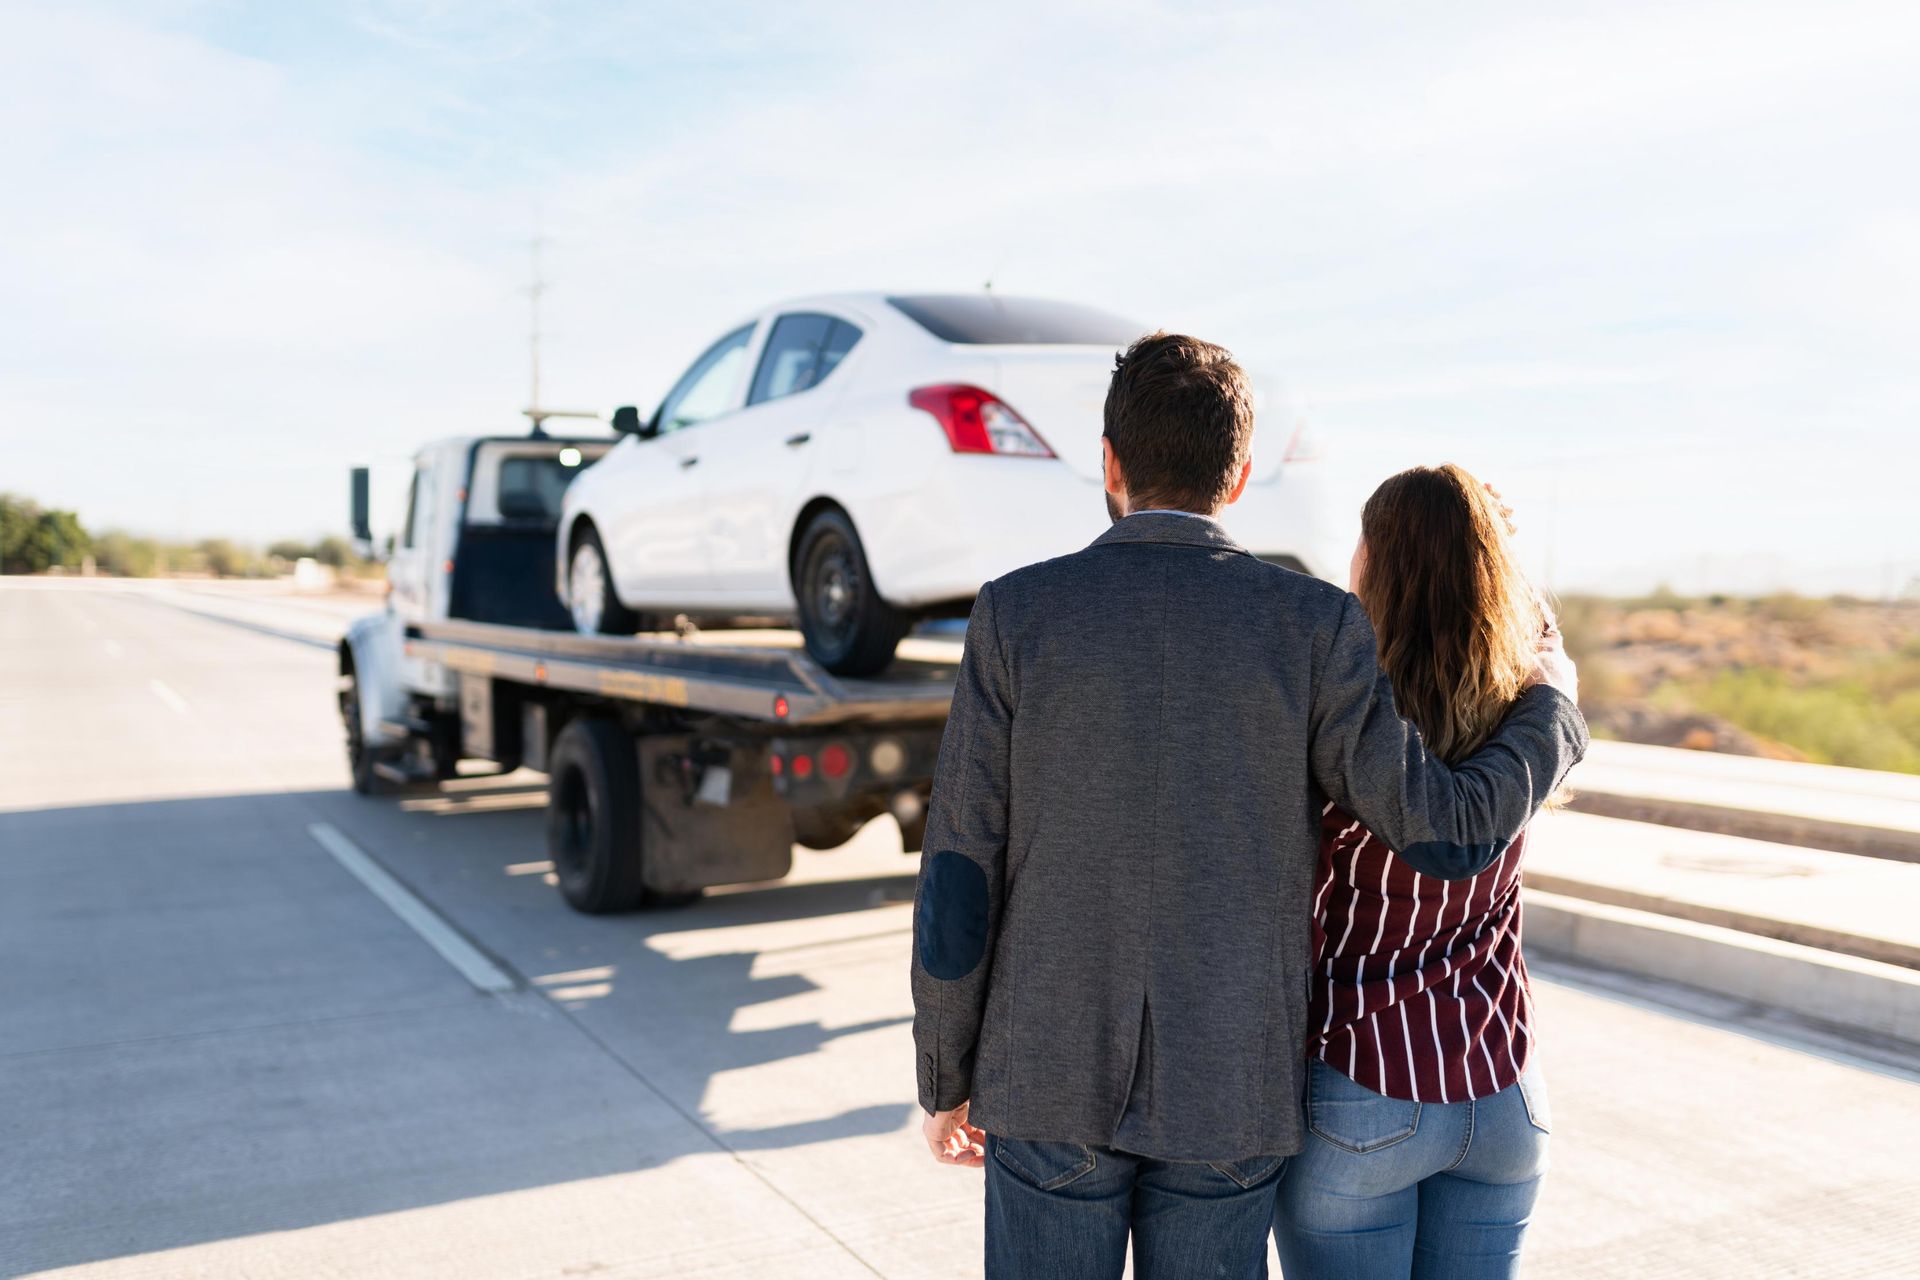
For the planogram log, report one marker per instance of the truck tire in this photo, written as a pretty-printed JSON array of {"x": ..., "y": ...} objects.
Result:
[
  {"x": 596, "y": 610},
  {"x": 593, "y": 816},
  {"x": 849, "y": 629},
  {"x": 360, "y": 756}
]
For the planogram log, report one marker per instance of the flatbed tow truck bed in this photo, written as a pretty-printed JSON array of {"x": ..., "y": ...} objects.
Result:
[
  {"x": 751, "y": 675},
  {"x": 679, "y": 762}
]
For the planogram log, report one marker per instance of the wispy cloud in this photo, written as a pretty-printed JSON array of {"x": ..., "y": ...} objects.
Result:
[{"x": 1678, "y": 243}]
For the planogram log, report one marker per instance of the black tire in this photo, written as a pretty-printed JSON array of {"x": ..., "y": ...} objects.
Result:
[
  {"x": 849, "y": 629},
  {"x": 360, "y": 757},
  {"x": 615, "y": 618},
  {"x": 593, "y": 817}
]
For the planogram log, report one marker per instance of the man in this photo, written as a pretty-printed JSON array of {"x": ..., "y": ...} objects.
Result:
[{"x": 1112, "y": 928}]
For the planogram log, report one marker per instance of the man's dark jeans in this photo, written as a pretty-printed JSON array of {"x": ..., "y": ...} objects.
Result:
[{"x": 1061, "y": 1211}]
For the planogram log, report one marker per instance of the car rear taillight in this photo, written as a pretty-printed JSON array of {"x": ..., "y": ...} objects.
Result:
[{"x": 976, "y": 421}]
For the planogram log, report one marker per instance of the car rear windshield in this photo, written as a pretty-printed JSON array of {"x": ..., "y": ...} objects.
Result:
[{"x": 983, "y": 319}]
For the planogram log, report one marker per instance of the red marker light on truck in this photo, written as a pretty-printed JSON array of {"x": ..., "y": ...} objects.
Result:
[
  {"x": 780, "y": 708},
  {"x": 803, "y": 766},
  {"x": 835, "y": 760},
  {"x": 977, "y": 421}
]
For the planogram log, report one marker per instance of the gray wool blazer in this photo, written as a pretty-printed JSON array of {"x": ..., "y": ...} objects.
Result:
[{"x": 1113, "y": 923}]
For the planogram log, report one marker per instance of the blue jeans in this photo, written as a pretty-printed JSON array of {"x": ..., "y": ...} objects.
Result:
[
  {"x": 1062, "y": 1211},
  {"x": 1432, "y": 1191}
]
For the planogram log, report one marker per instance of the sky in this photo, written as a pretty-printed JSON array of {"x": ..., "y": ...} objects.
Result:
[{"x": 1651, "y": 268}]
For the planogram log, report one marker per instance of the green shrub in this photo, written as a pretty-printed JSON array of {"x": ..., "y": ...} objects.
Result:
[{"x": 1842, "y": 722}]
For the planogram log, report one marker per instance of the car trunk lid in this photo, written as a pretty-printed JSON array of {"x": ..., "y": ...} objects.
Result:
[{"x": 1062, "y": 393}]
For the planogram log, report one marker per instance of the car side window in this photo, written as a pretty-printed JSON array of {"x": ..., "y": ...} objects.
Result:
[
  {"x": 800, "y": 352},
  {"x": 703, "y": 389}
]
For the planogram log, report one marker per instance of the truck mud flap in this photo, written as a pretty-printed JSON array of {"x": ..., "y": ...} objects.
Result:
[{"x": 710, "y": 816}]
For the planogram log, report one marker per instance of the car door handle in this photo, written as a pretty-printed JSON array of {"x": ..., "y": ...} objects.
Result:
[
  {"x": 797, "y": 440},
  {"x": 689, "y": 462}
]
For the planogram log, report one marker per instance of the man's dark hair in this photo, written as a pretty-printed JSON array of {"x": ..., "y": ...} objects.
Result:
[{"x": 1180, "y": 416}]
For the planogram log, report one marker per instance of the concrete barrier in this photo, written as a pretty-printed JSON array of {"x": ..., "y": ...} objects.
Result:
[{"x": 1843, "y": 991}]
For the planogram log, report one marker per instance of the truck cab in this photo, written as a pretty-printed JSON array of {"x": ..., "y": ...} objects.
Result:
[
  {"x": 474, "y": 543},
  {"x": 675, "y": 761}
]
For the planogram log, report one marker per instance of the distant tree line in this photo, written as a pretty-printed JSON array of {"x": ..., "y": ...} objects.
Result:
[{"x": 34, "y": 539}]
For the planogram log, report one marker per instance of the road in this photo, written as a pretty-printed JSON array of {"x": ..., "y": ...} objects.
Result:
[{"x": 222, "y": 1055}]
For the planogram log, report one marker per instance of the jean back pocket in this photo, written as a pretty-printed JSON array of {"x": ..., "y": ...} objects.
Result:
[
  {"x": 1047, "y": 1166},
  {"x": 1533, "y": 1091},
  {"x": 1354, "y": 1117}
]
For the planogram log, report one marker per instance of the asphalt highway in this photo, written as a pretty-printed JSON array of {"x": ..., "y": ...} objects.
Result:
[{"x": 254, "y": 1025}]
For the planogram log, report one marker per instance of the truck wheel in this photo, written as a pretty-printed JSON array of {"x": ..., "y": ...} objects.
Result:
[
  {"x": 593, "y": 816},
  {"x": 360, "y": 756},
  {"x": 849, "y": 629},
  {"x": 595, "y": 608}
]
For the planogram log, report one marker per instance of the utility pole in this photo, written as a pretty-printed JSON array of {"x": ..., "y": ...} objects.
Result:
[{"x": 536, "y": 286}]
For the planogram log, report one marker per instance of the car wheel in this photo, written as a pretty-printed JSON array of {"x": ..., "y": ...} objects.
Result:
[
  {"x": 595, "y": 608},
  {"x": 849, "y": 629}
]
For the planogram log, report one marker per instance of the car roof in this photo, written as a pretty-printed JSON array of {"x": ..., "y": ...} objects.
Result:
[{"x": 876, "y": 305}]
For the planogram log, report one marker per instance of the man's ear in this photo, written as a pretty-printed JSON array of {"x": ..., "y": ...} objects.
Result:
[
  {"x": 1110, "y": 467},
  {"x": 1240, "y": 485}
]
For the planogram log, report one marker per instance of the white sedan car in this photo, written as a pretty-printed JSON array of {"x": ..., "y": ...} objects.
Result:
[{"x": 861, "y": 461}]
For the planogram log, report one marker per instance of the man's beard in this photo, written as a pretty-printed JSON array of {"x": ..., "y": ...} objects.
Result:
[{"x": 1114, "y": 513}]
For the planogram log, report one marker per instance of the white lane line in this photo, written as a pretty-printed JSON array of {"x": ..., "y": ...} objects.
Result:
[
  {"x": 168, "y": 696},
  {"x": 421, "y": 918},
  {"x": 113, "y": 649}
]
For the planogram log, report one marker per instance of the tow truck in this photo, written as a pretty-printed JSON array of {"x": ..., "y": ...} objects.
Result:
[{"x": 676, "y": 760}]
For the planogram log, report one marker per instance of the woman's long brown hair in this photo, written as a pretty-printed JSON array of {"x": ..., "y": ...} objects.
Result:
[{"x": 1455, "y": 619}]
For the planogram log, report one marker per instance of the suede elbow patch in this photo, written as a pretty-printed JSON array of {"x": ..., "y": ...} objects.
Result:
[{"x": 950, "y": 924}]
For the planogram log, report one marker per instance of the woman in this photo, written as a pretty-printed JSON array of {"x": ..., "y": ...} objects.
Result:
[{"x": 1427, "y": 1119}]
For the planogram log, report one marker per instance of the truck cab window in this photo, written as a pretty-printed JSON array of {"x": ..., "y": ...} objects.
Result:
[{"x": 531, "y": 488}]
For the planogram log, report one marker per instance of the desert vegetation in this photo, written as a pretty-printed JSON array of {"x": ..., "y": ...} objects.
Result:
[
  {"x": 35, "y": 539},
  {"x": 1836, "y": 681}
]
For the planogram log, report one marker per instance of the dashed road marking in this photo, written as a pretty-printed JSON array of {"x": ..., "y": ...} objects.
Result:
[
  {"x": 432, "y": 927},
  {"x": 162, "y": 691}
]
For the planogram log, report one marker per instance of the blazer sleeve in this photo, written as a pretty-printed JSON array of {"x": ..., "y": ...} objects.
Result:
[
  {"x": 957, "y": 903},
  {"x": 1450, "y": 822}
]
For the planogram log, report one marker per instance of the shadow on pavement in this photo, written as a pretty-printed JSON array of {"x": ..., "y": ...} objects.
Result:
[{"x": 211, "y": 1030}]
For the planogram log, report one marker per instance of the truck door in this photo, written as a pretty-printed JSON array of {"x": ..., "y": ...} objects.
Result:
[{"x": 417, "y": 571}]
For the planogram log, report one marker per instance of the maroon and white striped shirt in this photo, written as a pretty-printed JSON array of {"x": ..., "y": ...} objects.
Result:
[{"x": 1419, "y": 990}]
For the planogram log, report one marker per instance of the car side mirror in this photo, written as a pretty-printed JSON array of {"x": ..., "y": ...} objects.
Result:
[
  {"x": 360, "y": 508},
  {"x": 626, "y": 420}
]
